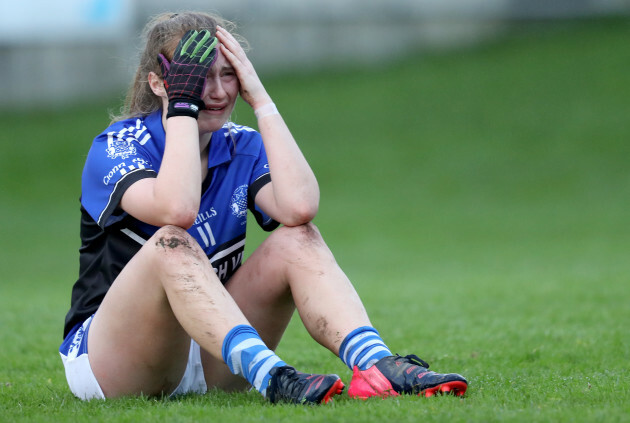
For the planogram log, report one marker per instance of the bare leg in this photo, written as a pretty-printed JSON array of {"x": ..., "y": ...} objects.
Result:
[
  {"x": 292, "y": 268},
  {"x": 140, "y": 336}
]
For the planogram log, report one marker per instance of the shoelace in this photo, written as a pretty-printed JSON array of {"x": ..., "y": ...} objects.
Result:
[
  {"x": 293, "y": 381},
  {"x": 414, "y": 359}
]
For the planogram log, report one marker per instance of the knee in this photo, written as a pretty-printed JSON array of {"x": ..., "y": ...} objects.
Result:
[
  {"x": 292, "y": 240},
  {"x": 172, "y": 243}
]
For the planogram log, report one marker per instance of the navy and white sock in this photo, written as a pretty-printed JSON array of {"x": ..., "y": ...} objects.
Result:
[
  {"x": 246, "y": 355},
  {"x": 362, "y": 348}
]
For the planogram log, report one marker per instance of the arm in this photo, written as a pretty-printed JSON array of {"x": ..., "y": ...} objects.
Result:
[
  {"x": 173, "y": 197},
  {"x": 292, "y": 198}
]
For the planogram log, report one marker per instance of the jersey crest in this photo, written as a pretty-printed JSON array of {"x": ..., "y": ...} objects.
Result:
[
  {"x": 118, "y": 146},
  {"x": 238, "y": 203}
]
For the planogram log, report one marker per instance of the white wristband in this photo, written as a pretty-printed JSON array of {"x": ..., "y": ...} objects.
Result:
[{"x": 266, "y": 110}]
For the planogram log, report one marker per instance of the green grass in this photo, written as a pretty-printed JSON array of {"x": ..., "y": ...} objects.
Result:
[{"x": 478, "y": 199}]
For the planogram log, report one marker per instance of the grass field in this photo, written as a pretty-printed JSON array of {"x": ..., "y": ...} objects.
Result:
[{"x": 478, "y": 199}]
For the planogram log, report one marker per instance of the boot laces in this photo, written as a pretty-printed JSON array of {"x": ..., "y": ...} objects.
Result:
[{"x": 414, "y": 359}]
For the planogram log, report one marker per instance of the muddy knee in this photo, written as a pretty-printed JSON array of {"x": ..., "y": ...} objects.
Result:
[{"x": 173, "y": 242}]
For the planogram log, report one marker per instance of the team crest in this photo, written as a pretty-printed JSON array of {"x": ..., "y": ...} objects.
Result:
[
  {"x": 238, "y": 203},
  {"x": 119, "y": 147}
]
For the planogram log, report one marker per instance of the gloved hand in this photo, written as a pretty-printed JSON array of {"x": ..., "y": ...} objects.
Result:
[{"x": 185, "y": 76}]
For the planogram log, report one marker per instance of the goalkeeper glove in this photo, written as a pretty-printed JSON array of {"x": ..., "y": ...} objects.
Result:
[{"x": 185, "y": 76}]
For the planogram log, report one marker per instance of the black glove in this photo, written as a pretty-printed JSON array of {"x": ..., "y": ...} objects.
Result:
[{"x": 185, "y": 76}]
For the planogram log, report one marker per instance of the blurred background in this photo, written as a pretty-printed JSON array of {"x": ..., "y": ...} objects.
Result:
[{"x": 68, "y": 50}]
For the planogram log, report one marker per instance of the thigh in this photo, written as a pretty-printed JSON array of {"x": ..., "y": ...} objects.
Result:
[{"x": 136, "y": 345}]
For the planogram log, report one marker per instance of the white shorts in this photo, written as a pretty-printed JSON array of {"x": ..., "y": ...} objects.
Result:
[{"x": 84, "y": 385}]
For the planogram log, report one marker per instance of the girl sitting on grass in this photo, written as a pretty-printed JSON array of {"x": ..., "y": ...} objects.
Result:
[{"x": 164, "y": 304}]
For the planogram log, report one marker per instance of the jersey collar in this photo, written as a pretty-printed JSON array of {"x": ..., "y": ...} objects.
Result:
[{"x": 219, "y": 148}]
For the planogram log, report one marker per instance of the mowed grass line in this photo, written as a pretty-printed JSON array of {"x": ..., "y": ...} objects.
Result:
[{"x": 478, "y": 199}]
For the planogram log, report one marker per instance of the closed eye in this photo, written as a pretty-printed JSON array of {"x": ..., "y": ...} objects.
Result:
[{"x": 228, "y": 71}]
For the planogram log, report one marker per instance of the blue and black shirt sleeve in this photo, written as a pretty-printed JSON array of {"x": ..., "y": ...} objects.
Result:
[
  {"x": 260, "y": 178},
  {"x": 113, "y": 164}
]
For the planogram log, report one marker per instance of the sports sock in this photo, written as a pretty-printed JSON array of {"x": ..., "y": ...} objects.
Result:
[
  {"x": 363, "y": 347},
  {"x": 246, "y": 355}
]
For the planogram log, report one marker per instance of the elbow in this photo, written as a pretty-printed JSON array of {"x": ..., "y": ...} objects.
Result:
[
  {"x": 301, "y": 214},
  {"x": 184, "y": 217}
]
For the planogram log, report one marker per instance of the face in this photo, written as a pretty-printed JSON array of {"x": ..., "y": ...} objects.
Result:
[{"x": 219, "y": 95}]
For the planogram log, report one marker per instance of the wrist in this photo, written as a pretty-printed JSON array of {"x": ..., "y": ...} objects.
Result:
[
  {"x": 260, "y": 100},
  {"x": 184, "y": 107},
  {"x": 267, "y": 109}
]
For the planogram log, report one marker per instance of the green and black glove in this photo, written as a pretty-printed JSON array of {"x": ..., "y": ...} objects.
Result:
[{"x": 185, "y": 76}]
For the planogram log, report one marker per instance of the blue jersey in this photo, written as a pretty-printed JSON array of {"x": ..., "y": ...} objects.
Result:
[{"x": 131, "y": 150}]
